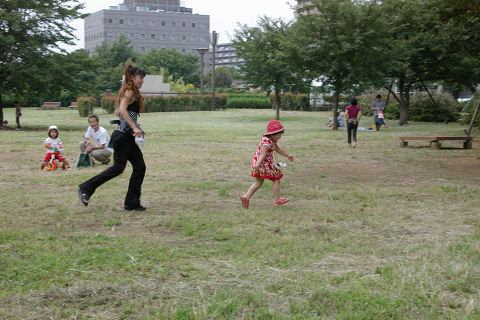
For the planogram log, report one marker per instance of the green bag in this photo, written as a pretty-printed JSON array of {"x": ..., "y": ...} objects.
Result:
[{"x": 84, "y": 160}]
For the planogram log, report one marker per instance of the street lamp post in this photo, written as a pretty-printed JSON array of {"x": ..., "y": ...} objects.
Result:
[
  {"x": 201, "y": 51},
  {"x": 214, "y": 43}
]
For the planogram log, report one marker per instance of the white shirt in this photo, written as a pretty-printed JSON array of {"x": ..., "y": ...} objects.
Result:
[
  {"x": 100, "y": 137},
  {"x": 54, "y": 143}
]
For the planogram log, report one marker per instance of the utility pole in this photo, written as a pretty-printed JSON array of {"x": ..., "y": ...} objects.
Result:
[
  {"x": 214, "y": 43},
  {"x": 201, "y": 51}
]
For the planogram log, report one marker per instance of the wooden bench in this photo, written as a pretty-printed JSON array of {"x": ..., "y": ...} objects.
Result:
[
  {"x": 73, "y": 105},
  {"x": 51, "y": 105},
  {"x": 435, "y": 141}
]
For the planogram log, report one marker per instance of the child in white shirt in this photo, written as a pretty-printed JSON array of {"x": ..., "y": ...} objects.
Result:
[{"x": 54, "y": 148}]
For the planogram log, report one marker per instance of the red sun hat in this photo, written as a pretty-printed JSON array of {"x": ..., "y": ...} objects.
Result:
[{"x": 273, "y": 127}]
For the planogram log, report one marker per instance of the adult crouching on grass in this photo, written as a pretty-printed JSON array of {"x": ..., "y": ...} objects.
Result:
[
  {"x": 124, "y": 142},
  {"x": 99, "y": 150}
]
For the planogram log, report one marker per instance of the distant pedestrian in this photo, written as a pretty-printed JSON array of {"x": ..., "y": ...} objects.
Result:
[
  {"x": 352, "y": 117},
  {"x": 18, "y": 114},
  {"x": 377, "y": 105},
  {"x": 123, "y": 141},
  {"x": 263, "y": 164}
]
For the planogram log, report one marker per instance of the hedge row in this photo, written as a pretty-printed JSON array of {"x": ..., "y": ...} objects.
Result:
[
  {"x": 291, "y": 101},
  {"x": 184, "y": 103},
  {"x": 288, "y": 101}
]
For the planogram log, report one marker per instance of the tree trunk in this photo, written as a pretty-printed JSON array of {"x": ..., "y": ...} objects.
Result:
[
  {"x": 429, "y": 94},
  {"x": 404, "y": 101},
  {"x": 335, "y": 110},
  {"x": 1, "y": 110},
  {"x": 393, "y": 94},
  {"x": 389, "y": 92},
  {"x": 474, "y": 116},
  {"x": 277, "y": 104},
  {"x": 455, "y": 94}
]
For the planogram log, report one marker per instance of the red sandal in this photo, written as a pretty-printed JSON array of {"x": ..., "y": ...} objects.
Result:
[
  {"x": 281, "y": 201},
  {"x": 245, "y": 202}
]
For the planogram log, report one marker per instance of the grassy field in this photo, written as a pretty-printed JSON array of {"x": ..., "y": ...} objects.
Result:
[{"x": 376, "y": 232}]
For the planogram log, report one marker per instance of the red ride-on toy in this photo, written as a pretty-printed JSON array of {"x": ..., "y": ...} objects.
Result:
[{"x": 52, "y": 164}]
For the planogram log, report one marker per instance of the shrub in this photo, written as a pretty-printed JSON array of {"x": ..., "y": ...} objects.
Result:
[
  {"x": 249, "y": 102},
  {"x": 292, "y": 101},
  {"x": 108, "y": 103},
  {"x": 86, "y": 106},
  {"x": 422, "y": 108},
  {"x": 66, "y": 97},
  {"x": 392, "y": 111}
]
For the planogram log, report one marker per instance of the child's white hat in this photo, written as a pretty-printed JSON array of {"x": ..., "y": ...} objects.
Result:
[{"x": 52, "y": 128}]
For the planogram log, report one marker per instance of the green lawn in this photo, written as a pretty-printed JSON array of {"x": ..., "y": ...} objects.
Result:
[{"x": 377, "y": 232}]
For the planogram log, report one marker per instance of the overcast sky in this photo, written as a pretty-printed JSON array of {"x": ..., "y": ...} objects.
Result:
[{"x": 224, "y": 14}]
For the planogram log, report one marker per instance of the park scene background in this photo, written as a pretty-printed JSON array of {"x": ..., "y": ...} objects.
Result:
[{"x": 376, "y": 232}]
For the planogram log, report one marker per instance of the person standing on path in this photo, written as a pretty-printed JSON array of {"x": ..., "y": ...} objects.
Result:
[
  {"x": 123, "y": 141},
  {"x": 377, "y": 105}
]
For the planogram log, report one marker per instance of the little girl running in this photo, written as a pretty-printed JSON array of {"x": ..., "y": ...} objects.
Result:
[
  {"x": 263, "y": 166},
  {"x": 54, "y": 148}
]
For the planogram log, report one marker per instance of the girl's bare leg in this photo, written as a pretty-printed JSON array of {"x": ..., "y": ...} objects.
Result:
[
  {"x": 276, "y": 189},
  {"x": 254, "y": 187}
]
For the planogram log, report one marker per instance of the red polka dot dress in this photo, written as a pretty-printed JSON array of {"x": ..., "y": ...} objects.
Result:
[{"x": 267, "y": 169}]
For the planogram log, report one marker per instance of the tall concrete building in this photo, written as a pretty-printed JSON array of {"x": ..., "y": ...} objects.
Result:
[{"x": 149, "y": 24}]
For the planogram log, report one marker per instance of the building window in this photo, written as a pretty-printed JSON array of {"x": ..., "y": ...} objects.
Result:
[
  {"x": 164, "y": 37},
  {"x": 142, "y": 22},
  {"x": 152, "y": 36},
  {"x": 142, "y": 36},
  {"x": 194, "y": 25},
  {"x": 120, "y": 21},
  {"x": 132, "y": 35},
  {"x": 152, "y": 23},
  {"x": 132, "y": 21},
  {"x": 172, "y": 37},
  {"x": 184, "y": 38},
  {"x": 109, "y": 35},
  {"x": 184, "y": 24},
  {"x": 163, "y": 23},
  {"x": 142, "y": 49},
  {"x": 110, "y": 20},
  {"x": 174, "y": 23},
  {"x": 184, "y": 51}
]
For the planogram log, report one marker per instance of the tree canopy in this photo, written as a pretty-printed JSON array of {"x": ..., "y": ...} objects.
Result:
[{"x": 30, "y": 32}]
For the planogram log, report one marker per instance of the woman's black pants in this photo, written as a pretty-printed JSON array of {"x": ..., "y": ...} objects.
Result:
[
  {"x": 125, "y": 149},
  {"x": 352, "y": 128}
]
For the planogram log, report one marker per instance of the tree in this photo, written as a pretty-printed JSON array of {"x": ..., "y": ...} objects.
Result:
[
  {"x": 30, "y": 31},
  {"x": 117, "y": 52},
  {"x": 111, "y": 56},
  {"x": 224, "y": 77},
  {"x": 265, "y": 57},
  {"x": 338, "y": 42},
  {"x": 185, "y": 66}
]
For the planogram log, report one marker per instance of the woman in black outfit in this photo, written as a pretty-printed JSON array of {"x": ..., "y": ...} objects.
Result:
[{"x": 129, "y": 105}]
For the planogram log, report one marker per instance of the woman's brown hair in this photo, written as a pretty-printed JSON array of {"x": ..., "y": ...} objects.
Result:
[{"x": 130, "y": 73}]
